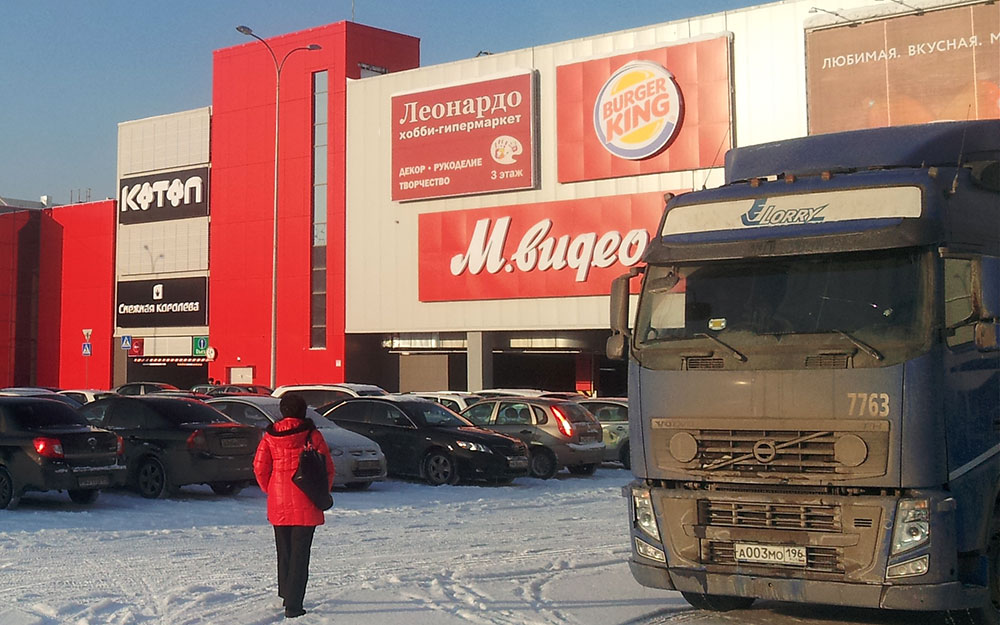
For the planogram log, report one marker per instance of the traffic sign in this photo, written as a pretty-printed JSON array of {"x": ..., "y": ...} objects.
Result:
[
  {"x": 198, "y": 345},
  {"x": 86, "y": 334},
  {"x": 127, "y": 342},
  {"x": 137, "y": 348},
  {"x": 87, "y": 349}
]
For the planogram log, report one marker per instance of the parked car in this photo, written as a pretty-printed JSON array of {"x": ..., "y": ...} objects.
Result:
[
  {"x": 37, "y": 391},
  {"x": 424, "y": 439},
  {"x": 142, "y": 388},
  {"x": 171, "y": 442},
  {"x": 453, "y": 400},
  {"x": 558, "y": 432},
  {"x": 317, "y": 395},
  {"x": 85, "y": 395},
  {"x": 357, "y": 460},
  {"x": 203, "y": 388},
  {"x": 564, "y": 395},
  {"x": 239, "y": 389},
  {"x": 612, "y": 413},
  {"x": 46, "y": 445},
  {"x": 510, "y": 392}
]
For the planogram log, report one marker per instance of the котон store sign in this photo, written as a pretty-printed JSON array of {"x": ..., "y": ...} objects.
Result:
[{"x": 162, "y": 196}]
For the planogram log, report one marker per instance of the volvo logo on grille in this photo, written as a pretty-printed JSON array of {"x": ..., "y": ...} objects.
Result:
[
  {"x": 764, "y": 451},
  {"x": 92, "y": 442}
]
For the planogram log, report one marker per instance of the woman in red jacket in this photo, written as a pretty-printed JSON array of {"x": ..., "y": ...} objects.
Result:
[{"x": 292, "y": 514}]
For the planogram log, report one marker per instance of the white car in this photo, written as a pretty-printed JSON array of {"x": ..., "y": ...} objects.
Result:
[
  {"x": 455, "y": 400},
  {"x": 357, "y": 460},
  {"x": 317, "y": 395},
  {"x": 85, "y": 395}
]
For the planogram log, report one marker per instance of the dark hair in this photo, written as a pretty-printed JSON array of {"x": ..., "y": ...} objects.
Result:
[{"x": 292, "y": 405}]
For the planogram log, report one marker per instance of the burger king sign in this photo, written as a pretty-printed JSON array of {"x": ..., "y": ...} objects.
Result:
[{"x": 638, "y": 111}]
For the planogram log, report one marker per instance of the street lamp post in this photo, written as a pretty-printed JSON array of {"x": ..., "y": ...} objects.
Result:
[{"x": 245, "y": 30}]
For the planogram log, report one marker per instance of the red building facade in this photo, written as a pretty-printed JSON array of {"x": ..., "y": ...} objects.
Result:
[{"x": 243, "y": 143}]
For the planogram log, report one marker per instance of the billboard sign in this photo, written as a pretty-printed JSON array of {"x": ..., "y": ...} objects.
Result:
[
  {"x": 163, "y": 196},
  {"x": 550, "y": 249},
  {"x": 912, "y": 69},
  {"x": 652, "y": 111},
  {"x": 464, "y": 139},
  {"x": 162, "y": 303}
]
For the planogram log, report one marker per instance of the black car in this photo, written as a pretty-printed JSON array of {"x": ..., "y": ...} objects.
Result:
[
  {"x": 46, "y": 445},
  {"x": 171, "y": 442},
  {"x": 422, "y": 438}
]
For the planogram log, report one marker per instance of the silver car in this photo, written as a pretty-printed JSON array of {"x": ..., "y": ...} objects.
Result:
[
  {"x": 357, "y": 460},
  {"x": 612, "y": 412},
  {"x": 559, "y": 433}
]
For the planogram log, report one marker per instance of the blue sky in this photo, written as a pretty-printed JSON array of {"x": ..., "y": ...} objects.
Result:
[{"x": 71, "y": 70}]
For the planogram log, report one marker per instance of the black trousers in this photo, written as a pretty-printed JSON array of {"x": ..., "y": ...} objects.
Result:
[{"x": 293, "y": 543}]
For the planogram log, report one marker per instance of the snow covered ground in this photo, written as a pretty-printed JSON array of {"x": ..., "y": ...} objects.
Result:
[{"x": 536, "y": 552}]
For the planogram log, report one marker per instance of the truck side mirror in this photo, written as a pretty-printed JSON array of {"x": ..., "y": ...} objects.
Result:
[{"x": 618, "y": 341}]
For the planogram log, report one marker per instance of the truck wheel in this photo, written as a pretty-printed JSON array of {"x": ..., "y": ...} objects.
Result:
[
  {"x": 543, "y": 464},
  {"x": 151, "y": 479},
  {"x": 8, "y": 500},
  {"x": 84, "y": 497},
  {"x": 717, "y": 603},
  {"x": 988, "y": 614}
]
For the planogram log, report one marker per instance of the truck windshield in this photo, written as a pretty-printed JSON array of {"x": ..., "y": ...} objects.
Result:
[{"x": 867, "y": 296}]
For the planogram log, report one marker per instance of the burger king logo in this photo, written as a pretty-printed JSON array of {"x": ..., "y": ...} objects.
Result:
[{"x": 638, "y": 110}]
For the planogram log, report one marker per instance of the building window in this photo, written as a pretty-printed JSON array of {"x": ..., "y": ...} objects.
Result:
[{"x": 317, "y": 300}]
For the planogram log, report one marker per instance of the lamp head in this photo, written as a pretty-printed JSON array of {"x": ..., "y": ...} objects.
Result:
[
  {"x": 245, "y": 30},
  {"x": 315, "y": 46}
]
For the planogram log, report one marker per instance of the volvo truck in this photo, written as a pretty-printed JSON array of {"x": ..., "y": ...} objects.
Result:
[{"x": 814, "y": 376}]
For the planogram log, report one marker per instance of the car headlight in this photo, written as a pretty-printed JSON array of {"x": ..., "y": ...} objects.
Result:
[
  {"x": 470, "y": 446},
  {"x": 913, "y": 525},
  {"x": 644, "y": 517}
]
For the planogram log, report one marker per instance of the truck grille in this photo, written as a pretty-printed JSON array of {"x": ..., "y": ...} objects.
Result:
[
  {"x": 769, "y": 516},
  {"x": 789, "y": 451},
  {"x": 820, "y": 559}
]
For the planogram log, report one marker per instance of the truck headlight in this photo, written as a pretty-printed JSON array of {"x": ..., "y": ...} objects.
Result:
[
  {"x": 913, "y": 525},
  {"x": 644, "y": 517}
]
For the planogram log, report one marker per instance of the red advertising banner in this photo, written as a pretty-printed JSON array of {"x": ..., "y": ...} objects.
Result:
[
  {"x": 465, "y": 139},
  {"x": 913, "y": 69},
  {"x": 667, "y": 109},
  {"x": 551, "y": 249}
]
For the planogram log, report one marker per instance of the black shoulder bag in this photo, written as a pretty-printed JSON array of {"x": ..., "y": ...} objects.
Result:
[{"x": 311, "y": 476}]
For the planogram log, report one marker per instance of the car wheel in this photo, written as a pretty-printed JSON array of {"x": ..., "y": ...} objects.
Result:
[
  {"x": 8, "y": 500},
  {"x": 717, "y": 603},
  {"x": 357, "y": 485},
  {"x": 625, "y": 456},
  {"x": 151, "y": 479},
  {"x": 583, "y": 469},
  {"x": 84, "y": 497},
  {"x": 439, "y": 468},
  {"x": 226, "y": 489},
  {"x": 543, "y": 464}
]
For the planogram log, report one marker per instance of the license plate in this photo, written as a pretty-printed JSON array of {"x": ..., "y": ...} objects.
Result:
[
  {"x": 770, "y": 554},
  {"x": 91, "y": 482},
  {"x": 233, "y": 443},
  {"x": 517, "y": 462},
  {"x": 368, "y": 464}
]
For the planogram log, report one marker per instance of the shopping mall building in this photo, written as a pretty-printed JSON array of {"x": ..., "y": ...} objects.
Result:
[{"x": 451, "y": 226}]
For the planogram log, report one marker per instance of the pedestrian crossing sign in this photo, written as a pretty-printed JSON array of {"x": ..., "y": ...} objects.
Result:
[
  {"x": 127, "y": 342},
  {"x": 87, "y": 349}
]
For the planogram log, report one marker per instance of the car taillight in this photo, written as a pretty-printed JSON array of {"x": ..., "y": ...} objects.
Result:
[
  {"x": 120, "y": 447},
  {"x": 48, "y": 447},
  {"x": 565, "y": 427},
  {"x": 197, "y": 441}
]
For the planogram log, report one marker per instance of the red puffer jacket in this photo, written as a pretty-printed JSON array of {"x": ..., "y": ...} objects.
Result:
[{"x": 276, "y": 461}]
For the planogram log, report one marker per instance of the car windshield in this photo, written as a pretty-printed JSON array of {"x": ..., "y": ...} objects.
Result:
[
  {"x": 430, "y": 413},
  {"x": 180, "y": 411},
  {"x": 877, "y": 294},
  {"x": 43, "y": 414}
]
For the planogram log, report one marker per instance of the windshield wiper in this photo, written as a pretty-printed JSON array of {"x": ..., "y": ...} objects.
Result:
[
  {"x": 736, "y": 354},
  {"x": 865, "y": 347}
]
